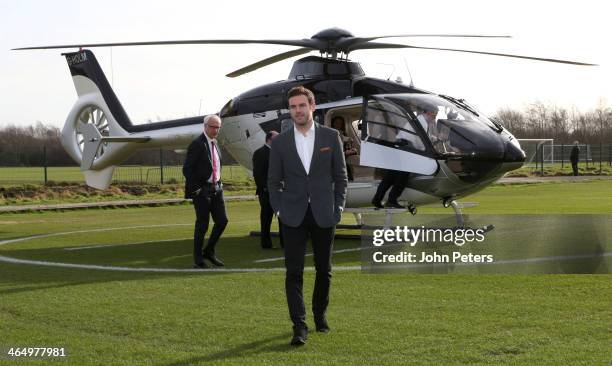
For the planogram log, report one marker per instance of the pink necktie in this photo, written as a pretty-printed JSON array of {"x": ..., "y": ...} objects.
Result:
[{"x": 214, "y": 162}]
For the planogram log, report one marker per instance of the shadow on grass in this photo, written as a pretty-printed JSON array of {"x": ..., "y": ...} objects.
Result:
[
  {"x": 236, "y": 252},
  {"x": 241, "y": 350},
  {"x": 17, "y": 278}
]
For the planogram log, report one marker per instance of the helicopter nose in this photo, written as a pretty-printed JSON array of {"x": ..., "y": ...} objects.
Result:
[{"x": 514, "y": 153}]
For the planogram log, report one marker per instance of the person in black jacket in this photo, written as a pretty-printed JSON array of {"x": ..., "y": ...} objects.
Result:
[
  {"x": 574, "y": 157},
  {"x": 261, "y": 159},
  {"x": 202, "y": 171}
]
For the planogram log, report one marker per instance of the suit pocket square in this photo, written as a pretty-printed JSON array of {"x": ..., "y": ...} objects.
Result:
[{"x": 324, "y": 149}]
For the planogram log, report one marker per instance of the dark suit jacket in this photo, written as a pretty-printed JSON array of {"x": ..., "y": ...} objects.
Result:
[
  {"x": 290, "y": 187},
  {"x": 574, "y": 154},
  {"x": 261, "y": 158},
  {"x": 197, "y": 168}
]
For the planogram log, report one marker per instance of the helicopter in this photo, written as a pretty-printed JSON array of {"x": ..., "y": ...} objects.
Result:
[{"x": 467, "y": 153}]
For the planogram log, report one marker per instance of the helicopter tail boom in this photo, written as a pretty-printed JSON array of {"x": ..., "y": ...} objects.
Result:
[{"x": 94, "y": 134}]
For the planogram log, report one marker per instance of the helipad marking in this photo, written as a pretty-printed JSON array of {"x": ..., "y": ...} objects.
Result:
[
  {"x": 234, "y": 270},
  {"x": 135, "y": 269},
  {"x": 9, "y": 241}
]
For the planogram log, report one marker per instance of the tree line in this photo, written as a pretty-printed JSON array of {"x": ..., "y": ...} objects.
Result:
[
  {"x": 25, "y": 146},
  {"x": 540, "y": 120}
]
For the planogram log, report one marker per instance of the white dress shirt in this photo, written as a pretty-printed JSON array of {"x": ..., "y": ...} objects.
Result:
[
  {"x": 216, "y": 154},
  {"x": 423, "y": 121},
  {"x": 305, "y": 145}
]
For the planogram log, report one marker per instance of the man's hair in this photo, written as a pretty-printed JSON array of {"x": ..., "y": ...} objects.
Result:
[
  {"x": 300, "y": 90},
  {"x": 208, "y": 117},
  {"x": 338, "y": 117}
]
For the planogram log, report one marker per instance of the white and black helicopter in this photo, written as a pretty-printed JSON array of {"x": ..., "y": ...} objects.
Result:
[{"x": 469, "y": 152}]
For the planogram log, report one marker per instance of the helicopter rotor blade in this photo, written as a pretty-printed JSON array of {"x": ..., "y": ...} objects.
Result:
[
  {"x": 376, "y": 45},
  {"x": 269, "y": 61},
  {"x": 353, "y": 42},
  {"x": 442, "y": 35},
  {"x": 312, "y": 43}
]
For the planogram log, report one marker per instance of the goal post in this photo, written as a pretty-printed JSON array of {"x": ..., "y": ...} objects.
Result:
[{"x": 538, "y": 151}]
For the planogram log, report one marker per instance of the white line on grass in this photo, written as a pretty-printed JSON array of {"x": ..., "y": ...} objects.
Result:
[
  {"x": 334, "y": 252},
  {"x": 134, "y": 269},
  {"x": 162, "y": 270},
  {"x": 229, "y": 270},
  {"x": 275, "y": 259},
  {"x": 9, "y": 241}
]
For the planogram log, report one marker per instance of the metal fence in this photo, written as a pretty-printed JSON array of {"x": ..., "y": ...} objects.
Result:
[
  {"x": 123, "y": 174},
  {"x": 594, "y": 157}
]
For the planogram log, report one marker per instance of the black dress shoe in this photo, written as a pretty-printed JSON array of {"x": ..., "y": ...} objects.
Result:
[
  {"x": 377, "y": 204},
  {"x": 214, "y": 260},
  {"x": 300, "y": 335},
  {"x": 200, "y": 266},
  {"x": 321, "y": 325},
  {"x": 393, "y": 205}
]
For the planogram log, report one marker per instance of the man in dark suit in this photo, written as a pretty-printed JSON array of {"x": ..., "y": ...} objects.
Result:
[
  {"x": 574, "y": 155},
  {"x": 202, "y": 171},
  {"x": 261, "y": 159},
  {"x": 307, "y": 185}
]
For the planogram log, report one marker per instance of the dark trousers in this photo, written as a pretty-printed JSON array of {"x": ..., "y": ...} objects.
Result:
[
  {"x": 575, "y": 167},
  {"x": 265, "y": 220},
  {"x": 206, "y": 205},
  {"x": 295, "y": 249},
  {"x": 395, "y": 180}
]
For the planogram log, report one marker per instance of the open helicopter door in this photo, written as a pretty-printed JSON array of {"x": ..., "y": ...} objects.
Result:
[{"x": 390, "y": 139}]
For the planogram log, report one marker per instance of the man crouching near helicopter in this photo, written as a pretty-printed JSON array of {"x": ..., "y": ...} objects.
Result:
[
  {"x": 202, "y": 171},
  {"x": 307, "y": 186}
]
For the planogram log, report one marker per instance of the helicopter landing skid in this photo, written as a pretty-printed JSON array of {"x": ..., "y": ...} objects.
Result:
[
  {"x": 389, "y": 212},
  {"x": 457, "y": 206}
]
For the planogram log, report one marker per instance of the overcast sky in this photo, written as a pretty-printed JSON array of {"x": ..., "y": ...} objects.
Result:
[{"x": 158, "y": 83}]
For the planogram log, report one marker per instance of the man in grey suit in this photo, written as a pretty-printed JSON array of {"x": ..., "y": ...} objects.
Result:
[{"x": 307, "y": 186}]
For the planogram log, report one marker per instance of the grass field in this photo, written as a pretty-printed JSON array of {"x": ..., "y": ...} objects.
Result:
[
  {"x": 230, "y": 173},
  {"x": 558, "y": 169},
  {"x": 146, "y": 174},
  {"x": 190, "y": 318}
]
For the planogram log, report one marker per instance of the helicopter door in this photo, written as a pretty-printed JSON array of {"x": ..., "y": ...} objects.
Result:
[{"x": 389, "y": 140}]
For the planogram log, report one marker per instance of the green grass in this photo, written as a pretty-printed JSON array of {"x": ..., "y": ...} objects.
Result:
[
  {"x": 594, "y": 196},
  {"x": 554, "y": 170},
  {"x": 30, "y": 194},
  {"x": 126, "y": 318},
  {"x": 37, "y": 174},
  {"x": 146, "y": 174},
  {"x": 23, "y": 186}
]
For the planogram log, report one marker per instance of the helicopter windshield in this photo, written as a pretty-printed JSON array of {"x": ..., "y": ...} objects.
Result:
[{"x": 452, "y": 126}]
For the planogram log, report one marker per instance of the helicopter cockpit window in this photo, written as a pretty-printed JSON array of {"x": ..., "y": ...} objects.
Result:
[
  {"x": 389, "y": 125},
  {"x": 228, "y": 109},
  {"x": 453, "y": 129}
]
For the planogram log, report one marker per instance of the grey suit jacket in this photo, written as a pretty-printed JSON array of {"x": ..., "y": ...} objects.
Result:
[{"x": 290, "y": 187}]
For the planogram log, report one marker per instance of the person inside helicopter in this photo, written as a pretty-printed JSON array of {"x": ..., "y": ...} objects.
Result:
[
  {"x": 427, "y": 119},
  {"x": 438, "y": 133},
  {"x": 349, "y": 150},
  {"x": 394, "y": 179}
]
